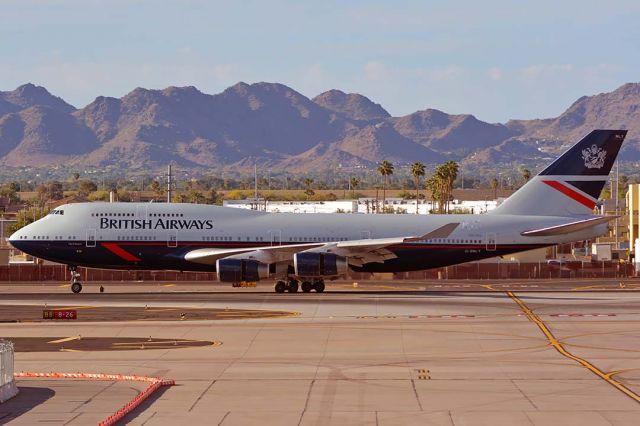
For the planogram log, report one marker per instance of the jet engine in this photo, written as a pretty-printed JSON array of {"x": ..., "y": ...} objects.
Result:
[
  {"x": 239, "y": 270},
  {"x": 315, "y": 264}
]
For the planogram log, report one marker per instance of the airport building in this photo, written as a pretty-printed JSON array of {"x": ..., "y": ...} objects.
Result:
[
  {"x": 361, "y": 205},
  {"x": 633, "y": 206}
]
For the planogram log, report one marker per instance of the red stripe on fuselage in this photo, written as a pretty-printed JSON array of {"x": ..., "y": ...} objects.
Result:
[
  {"x": 120, "y": 252},
  {"x": 587, "y": 202}
]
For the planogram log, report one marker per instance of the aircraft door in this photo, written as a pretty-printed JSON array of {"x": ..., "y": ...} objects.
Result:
[
  {"x": 172, "y": 239},
  {"x": 141, "y": 211},
  {"x": 491, "y": 241},
  {"x": 276, "y": 237},
  {"x": 91, "y": 238}
]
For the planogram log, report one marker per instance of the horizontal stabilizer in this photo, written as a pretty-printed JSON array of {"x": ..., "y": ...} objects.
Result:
[{"x": 568, "y": 228}]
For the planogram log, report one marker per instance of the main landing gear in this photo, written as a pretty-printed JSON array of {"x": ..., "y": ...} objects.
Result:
[
  {"x": 291, "y": 285},
  {"x": 76, "y": 286}
]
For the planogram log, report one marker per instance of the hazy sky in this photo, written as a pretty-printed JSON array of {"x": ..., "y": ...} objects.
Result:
[{"x": 494, "y": 59}]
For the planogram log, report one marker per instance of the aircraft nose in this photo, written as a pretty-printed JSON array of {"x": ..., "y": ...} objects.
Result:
[
  {"x": 18, "y": 237},
  {"x": 15, "y": 237}
]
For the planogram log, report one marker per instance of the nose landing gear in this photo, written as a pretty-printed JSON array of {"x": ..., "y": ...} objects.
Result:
[{"x": 76, "y": 286}]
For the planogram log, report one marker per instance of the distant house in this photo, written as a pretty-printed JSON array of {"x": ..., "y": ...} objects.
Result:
[{"x": 52, "y": 204}]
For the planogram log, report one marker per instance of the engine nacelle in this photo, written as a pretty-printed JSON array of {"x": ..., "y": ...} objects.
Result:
[
  {"x": 312, "y": 264},
  {"x": 238, "y": 270}
]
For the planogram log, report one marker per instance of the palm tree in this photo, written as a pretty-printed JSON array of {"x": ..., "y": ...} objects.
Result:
[
  {"x": 451, "y": 168},
  {"x": 307, "y": 182},
  {"x": 494, "y": 186},
  {"x": 308, "y": 191},
  {"x": 385, "y": 168},
  {"x": 354, "y": 182},
  {"x": 444, "y": 177},
  {"x": 433, "y": 185},
  {"x": 417, "y": 171}
]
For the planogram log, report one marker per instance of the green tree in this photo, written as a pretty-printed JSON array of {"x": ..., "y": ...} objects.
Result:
[
  {"x": 213, "y": 196},
  {"x": 100, "y": 195},
  {"x": 433, "y": 185},
  {"x": 180, "y": 198},
  {"x": 124, "y": 196},
  {"x": 196, "y": 197},
  {"x": 50, "y": 191},
  {"x": 494, "y": 186},
  {"x": 450, "y": 174},
  {"x": 418, "y": 172},
  {"x": 9, "y": 191},
  {"x": 27, "y": 216},
  {"x": 623, "y": 186},
  {"x": 385, "y": 169},
  {"x": 441, "y": 184},
  {"x": 354, "y": 182},
  {"x": 157, "y": 188},
  {"x": 526, "y": 175},
  {"x": 309, "y": 192},
  {"x": 86, "y": 187}
]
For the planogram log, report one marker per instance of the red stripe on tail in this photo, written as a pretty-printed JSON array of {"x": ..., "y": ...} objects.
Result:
[{"x": 589, "y": 203}]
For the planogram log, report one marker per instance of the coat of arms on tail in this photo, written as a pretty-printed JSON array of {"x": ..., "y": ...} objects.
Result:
[{"x": 594, "y": 157}]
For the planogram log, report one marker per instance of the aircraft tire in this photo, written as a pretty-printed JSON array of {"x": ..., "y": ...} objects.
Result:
[
  {"x": 293, "y": 286},
  {"x": 76, "y": 287},
  {"x": 319, "y": 286},
  {"x": 306, "y": 286},
  {"x": 280, "y": 287}
]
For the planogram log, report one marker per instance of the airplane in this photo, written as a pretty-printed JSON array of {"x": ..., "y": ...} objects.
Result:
[{"x": 302, "y": 250}]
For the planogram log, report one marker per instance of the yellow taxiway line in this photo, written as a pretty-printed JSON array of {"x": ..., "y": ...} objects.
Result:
[
  {"x": 66, "y": 339},
  {"x": 607, "y": 377}
]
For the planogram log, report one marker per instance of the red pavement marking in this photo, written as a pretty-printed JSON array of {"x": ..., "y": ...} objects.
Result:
[{"x": 156, "y": 383}]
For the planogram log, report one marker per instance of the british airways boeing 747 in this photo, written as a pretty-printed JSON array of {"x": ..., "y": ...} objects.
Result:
[{"x": 301, "y": 250}]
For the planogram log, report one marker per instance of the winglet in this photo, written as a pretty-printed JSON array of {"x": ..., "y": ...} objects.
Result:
[{"x": 442, "y": 232}]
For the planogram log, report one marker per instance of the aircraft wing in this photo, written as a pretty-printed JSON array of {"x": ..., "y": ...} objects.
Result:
[
  {"x": 209, "y": 256},
  {"x": 568, "y": 228},
  {"x": 358, "y": 252}
]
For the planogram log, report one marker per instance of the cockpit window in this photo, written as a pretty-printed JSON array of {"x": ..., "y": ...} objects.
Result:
[{"x": 56, "y": 211}]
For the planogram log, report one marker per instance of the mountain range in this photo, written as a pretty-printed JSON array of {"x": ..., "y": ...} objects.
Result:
[{"x": 277, "y": 127}]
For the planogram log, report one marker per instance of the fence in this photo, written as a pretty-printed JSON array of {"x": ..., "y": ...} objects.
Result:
[
  {"x": 473, "y": 270},
  {"x": 520, "y": 270},
  {"x": 8, "y": 388},
  {"x": 36, "y": 272}
]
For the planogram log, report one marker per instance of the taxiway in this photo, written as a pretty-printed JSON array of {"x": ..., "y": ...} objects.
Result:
[{"x": 491, "y": 353}]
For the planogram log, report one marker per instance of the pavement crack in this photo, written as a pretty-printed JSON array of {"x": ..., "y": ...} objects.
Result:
[
  {"x": 559, "y": 347},
  {"x": 224, "y": 418},
  {"x": 72, "y": 419},
  {"x": 515, "y": 384},
  {"x": 87, "y": 401},
  {"x": 201, "y": 395},
  {"x": 306, "y": 402},
  {"x": 150, "y": 417},
  {"x": 415, "y": 392}
]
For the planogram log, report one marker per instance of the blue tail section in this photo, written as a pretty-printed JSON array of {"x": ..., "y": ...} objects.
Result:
[{"x": 594, "y": 155}]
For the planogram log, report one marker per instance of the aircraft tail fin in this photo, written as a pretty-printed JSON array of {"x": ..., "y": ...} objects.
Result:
[{"x": 571, "y": 185}]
